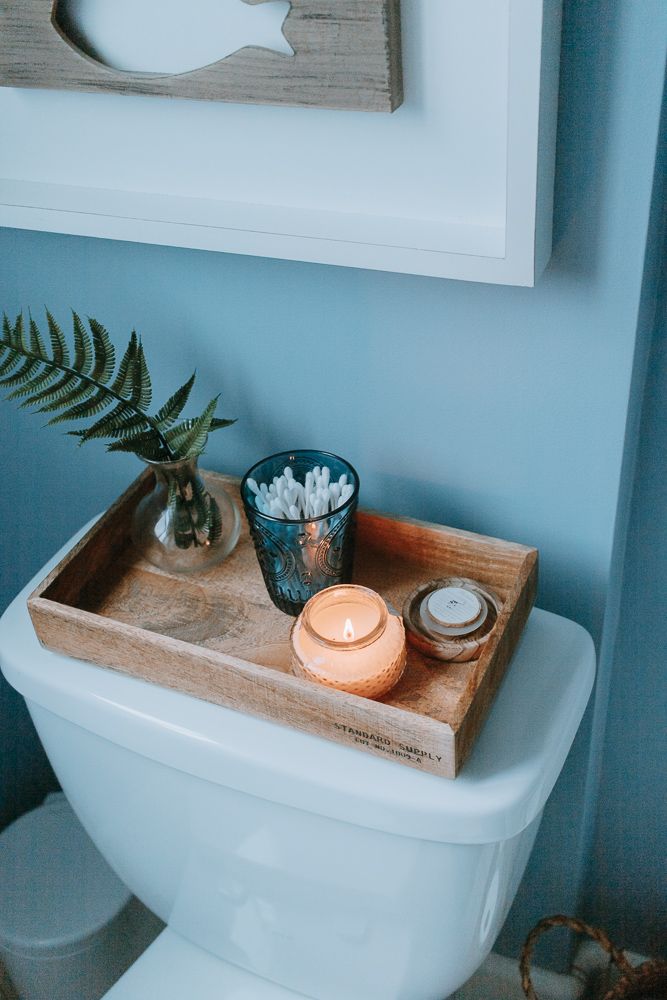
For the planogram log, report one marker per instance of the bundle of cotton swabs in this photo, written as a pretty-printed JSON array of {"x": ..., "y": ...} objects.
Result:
[{"x": 286, "y": 498}]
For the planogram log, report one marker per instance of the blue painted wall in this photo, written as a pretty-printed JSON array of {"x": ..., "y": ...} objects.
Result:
[{"x": 387, "y": 370}]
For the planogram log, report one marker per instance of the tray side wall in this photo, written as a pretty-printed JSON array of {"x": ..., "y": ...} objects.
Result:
[
  {"x": 376, "y": 728},
  {"x": 491, "y": 669}
]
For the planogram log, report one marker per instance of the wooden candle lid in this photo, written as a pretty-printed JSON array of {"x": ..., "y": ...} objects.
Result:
[{"x": 438, "y": 643}]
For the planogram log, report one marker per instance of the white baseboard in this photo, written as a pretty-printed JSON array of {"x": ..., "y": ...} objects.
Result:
[
  {"x": 592, "y": 976},
  {"x": 499, "y": 979}
]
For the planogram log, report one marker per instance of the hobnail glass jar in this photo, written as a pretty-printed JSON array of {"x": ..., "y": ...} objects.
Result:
[
  {"x": 298, "y": 558},
  {"x": 188, "y": 522}
]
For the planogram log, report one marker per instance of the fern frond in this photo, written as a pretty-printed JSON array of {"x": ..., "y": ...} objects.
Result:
[
  {"x": 145, "y": 444},
  {"x": 124, "y": 379},
  {"x": 83, "y": 346},
  {"x": 47, "y": 388},
  {"x": 7, "y": 329},
  {"x": 184, "y": 531},
  {"x": 11, "y": 358},
  {"x": 214, "y": 521},
  {"x": 119, "y": 422},
  {"x": 58, "y": 343},
  {"x": 44, "y": 377},
  {"x": 27, "y": 370},
  {"x": 41, "y": 380},
  {"x": 200, "y": 505},
  {"x": 189, "y": 437},
  {"x": 89, "y": 407},
  {"x": 174, "y": 406},
  {"x": 73, "y": 397},
  {"x": 10, "y": 361},
  {"x": 16, "y": 336},
  {"x": 143, "y": 390},
  {"x": 54, "y": 398},
  {"x": 36, "y": 343},
  {"x": 105, "y": 356}
]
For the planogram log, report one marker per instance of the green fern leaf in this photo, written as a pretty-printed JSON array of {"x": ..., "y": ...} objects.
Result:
[
  {"x": 214, "y": 521},
  {"x": 139, "y": 439},
  {"x": 124, "y": 380},
  {"x": 41, "y": 380},
  {"x": 58, "y": 342},
  {"x": 53, "y": 393},
  {"x": 174, "y": 406},
  {"x": 47, "y": 388},
  {"x": 89, "y": 407},
  {"x": 153, "y": 451},
  {"x": 20, "y": 375},
  {"x": 36, "y": 343},
  {"x": 200, "y": 505},
  {"x": 119, "y": 422},
  {"x": 83, "y": 347},
  {"x": 146, "y": 445},
  {"x": 7, "y": 329},
  {"x": 16, "y": 336},
  {"x": 11, "y": 359},
  {"x": 105, "y": 356},
  {"x": 75, "y": 396},
  {"x": 188, "y": 438},
  {"x": 12, "y": 336},
  {"x": 142, "y": 390},
  {"x": 195, "y": 442},
  {"x": 184, "y": 532}
]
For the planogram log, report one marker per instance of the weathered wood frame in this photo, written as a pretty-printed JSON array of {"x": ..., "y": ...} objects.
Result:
[
  {"x": 347, "y": 55},
  {"x": 101, "y": 603}
]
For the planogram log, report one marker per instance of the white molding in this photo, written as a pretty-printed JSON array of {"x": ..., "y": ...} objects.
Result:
[
  {"x": 476, "y": 250},
  {"x": 499, "y": 977}
]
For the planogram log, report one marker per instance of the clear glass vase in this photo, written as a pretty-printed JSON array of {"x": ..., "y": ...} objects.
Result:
[{"x": 188, "y": 522}]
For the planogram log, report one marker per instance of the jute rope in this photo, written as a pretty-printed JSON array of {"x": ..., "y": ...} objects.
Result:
[{"x": 648, "y": 980}]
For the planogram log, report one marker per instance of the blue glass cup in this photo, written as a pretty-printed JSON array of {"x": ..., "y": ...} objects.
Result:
[{"x": 298, "y": 558}]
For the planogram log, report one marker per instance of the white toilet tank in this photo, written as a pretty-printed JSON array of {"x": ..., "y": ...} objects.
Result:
[{"x": 315, "y": 866}]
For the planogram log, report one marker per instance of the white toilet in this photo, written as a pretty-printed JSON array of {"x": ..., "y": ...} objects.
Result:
[{"x": 285, "y": 865}]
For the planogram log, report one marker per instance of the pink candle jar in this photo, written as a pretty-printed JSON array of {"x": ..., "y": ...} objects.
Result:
[{"x": 346, "y": 638}]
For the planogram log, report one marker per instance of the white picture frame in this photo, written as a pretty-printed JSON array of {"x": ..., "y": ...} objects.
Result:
[{"x": 458, "y": 183}]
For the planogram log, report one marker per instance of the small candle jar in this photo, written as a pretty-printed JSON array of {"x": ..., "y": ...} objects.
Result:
[
  {"x": 451, "y": 619},
  {"x": 346, "y": 638}
]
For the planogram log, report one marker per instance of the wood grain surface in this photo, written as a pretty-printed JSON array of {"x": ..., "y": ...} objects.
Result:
[
  {"x": 347, "y": 55},
  {"x": 217, "y": 636}
]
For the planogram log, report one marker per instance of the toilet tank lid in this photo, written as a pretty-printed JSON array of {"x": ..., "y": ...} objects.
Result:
[
  {"x": 58, "y": 892},
  {"x": 500, "y": 790}
]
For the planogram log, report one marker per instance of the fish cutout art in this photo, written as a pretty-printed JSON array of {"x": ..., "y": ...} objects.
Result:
[{"x": 171, "y": 36}]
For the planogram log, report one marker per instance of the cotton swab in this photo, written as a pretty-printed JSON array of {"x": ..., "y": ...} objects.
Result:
[{"x": 286, "y": 497}]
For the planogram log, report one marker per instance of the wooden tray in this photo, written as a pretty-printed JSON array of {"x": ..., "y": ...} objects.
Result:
[{"x": 217, "y": 636}]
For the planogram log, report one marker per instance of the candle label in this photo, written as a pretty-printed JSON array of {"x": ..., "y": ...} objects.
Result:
[
  {"x": 451, "y": 606},
  {"x": 384, "y": 745}
]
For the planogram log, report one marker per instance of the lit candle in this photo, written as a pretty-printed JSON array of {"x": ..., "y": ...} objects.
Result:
[{"x": 346, "y": 638}]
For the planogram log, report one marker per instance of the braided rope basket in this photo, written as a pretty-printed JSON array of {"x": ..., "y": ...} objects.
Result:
[{"x": 647, "y": 981}]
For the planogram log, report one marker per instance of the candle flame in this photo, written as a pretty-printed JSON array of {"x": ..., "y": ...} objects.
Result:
[{"x": 348, "y": 631}]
